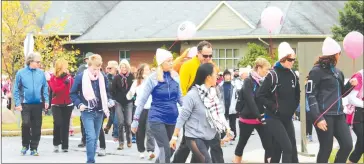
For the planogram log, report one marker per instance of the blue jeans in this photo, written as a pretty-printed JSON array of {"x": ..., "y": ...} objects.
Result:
[
  {"x": 92, "y": 122},
  {"x": 115, "y": 130}
]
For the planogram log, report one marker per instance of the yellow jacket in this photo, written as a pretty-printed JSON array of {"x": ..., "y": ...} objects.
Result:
[{"x": 187, "y": 74}]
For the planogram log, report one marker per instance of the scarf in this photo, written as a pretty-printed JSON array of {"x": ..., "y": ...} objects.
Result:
[
  {"x": 256, "y": 77},
  {"x": 212, "y": 104},
  {"x": 124, "y": 80},
  {"x": 89, "y": 94}
]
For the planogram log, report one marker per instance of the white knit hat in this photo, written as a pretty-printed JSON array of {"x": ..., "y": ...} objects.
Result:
[
  {"x": 192, "y": 52},
  {"x": 162, "y": 55},
  {"x": 330, "y": 47},
  {"x": 284, "y": 49}
]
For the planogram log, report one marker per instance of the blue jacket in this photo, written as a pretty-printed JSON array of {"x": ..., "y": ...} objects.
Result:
[
  {"x": 30, "y": 87},
  {"x": 165, "y": 96},
  {"x": 77, "y": 94}
]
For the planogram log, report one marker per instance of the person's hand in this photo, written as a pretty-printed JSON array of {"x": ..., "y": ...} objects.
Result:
[
  {"x": 82, "y": 107},
  {"x": 173, "y": 143},
  {"x": 322, "y": 125},
  {"x": 354, "y": 82},
  {"x": 134, "y": 130},
  {"x": 46, "y": 105},
  {"x": 19, "y": 108}
]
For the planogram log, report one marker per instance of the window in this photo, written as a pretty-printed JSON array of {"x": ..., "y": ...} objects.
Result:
[
  {"x": 226, "y": 58},
  {"x": 124, "y": 54}
]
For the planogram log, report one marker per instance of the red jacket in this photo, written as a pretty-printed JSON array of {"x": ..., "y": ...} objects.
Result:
[{"x": 61, "y": 91}]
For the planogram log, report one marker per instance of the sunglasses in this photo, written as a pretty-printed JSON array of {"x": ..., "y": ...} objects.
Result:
[
  {"x": 291, "y": 60},
  {"x": 207, "y": 56}
]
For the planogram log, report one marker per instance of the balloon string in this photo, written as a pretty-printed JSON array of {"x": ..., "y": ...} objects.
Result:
[
  {"x": 173, "y": 44},
  {"x": 270, "y": 45},
  {"x": 353, "y": 64}
]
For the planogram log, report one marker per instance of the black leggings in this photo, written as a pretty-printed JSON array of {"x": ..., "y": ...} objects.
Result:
[
  {"x": 200, "y": 150},
  {"x": 284, "y": 140},
  {"x": 336, "y": 127},
  {"x": 309, "y": 124},
  {"x": 359, "y": 146},
  {"x": 245, "y": 133}
]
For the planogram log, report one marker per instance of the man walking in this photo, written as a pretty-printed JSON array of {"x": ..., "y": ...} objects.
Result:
[{"x": 29, "y": 89}]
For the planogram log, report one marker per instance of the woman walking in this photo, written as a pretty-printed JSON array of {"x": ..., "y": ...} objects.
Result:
[
  {"x": 90, "y": 94},
  {"x": 202, "y": 115},
  {"x": 62, "y": 105},
  {"x": 144, "y": 129},
  {"x": 251, "y": 113},
  {"x": 356, "y": 108},
  {"x": 123, "y": 107},
  {"x": 280, "y": 94},
  {"x": 164, "y": 87},
  {"x": 112, "y": 67},
  {"x": 325, "y": 91}
]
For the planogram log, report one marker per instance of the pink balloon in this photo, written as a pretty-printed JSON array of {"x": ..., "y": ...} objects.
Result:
[
  {"x": 192, "y": 52},
  {"x": 353, "y": 44},
  {"x": 271, "y": 18},
  {"x": 186, "y": 30}
]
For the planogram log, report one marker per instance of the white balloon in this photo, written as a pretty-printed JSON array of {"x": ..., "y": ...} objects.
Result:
[{"x": 186, "y": 30}]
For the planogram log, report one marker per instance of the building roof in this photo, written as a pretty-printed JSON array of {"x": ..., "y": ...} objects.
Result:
[
  {"x": 80, "y": 15},
  {"x": 138, "y": 21}
]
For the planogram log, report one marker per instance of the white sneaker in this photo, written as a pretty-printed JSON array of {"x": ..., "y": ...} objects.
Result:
[
  {"x": 151, "y": 155},
  {"x": 141, "y": 155},
  {"x": 102, "y": 152},
  {"x": 56, "y": 149}
]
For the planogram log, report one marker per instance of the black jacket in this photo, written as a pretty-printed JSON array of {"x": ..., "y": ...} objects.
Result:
[
  {"x": 119, "y": 90},
  {"x": 247, "y": 100},
  {"x": 283, "y": 102},
  {"x": 327, "y": 87}
]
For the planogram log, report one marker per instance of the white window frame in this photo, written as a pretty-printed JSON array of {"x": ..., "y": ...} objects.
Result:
[
  {"x": 124, "y": 57},
  {"x": 217, "y": 58}
]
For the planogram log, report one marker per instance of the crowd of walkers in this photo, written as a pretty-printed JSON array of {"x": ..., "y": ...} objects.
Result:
[{"x": 191, "y": 94}]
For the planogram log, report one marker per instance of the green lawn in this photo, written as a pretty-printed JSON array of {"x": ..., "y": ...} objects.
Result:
[
  {"x": 47, "y": 123},
  {"x": 333, "y": 155}
]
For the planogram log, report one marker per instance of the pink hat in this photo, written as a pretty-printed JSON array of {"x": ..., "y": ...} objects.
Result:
[
  {"x": 330, "y": 47},
  {"x": 192, "y": 52},
  {"x": 162, "y": 55},
  {"x": 284, "y": 49}
]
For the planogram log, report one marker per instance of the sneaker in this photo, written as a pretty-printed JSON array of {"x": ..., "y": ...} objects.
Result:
[
  {"x": 102, "y": 152},
  {"x": 81, "y": 145},
  {"x": 56, "y": 149},
  {"x": 121, "y": 147},
  {"x": 115, "y": 139},
  {"x": 34, "y": 153},
  {"x": 129, "y": 145},
  {"x": 141, "y": 155},
  {"x": 133, "y": 139},
  {"x": 64, "y": 150},
  {"x": 151, "y": 155},
  {"x": 23, "y": 151}
]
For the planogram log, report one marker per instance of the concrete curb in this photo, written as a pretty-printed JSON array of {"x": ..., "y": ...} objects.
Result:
[{"x": 43, "y": 132}]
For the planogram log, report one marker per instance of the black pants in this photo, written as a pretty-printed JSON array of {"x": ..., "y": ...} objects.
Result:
[
  {"x": 232, "y": 123},
  {"x": 309, "y": 124},
  {"x": 144, "y": 131},
  {"x": 336, "y": 127},
  {"x": 200, "y": 149},
  {"x": 359, "y": 146},
  {"x": 245, "y": 133},
  {"x": 111, "y": 119},
  {"x": 61, "y": 125},
  {"x": 284, "y": 138},
  {"x": 101, "y": 136},
  {"x": 31, "y": 125},
  {"x": 183, "y": 151},
  {"x": 163, "y": 134}
]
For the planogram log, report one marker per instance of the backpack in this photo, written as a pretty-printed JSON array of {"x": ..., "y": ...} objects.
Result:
[
  {"x": 275, "y": 83},
  {"x": 240, "y": 102}
]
